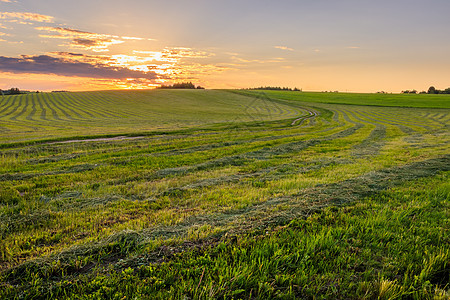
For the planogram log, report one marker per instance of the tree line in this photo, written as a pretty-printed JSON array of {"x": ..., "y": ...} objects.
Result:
[
  {"x": 15, "y": 91},
  {"x": 181, "y": 85},
  {"x": 275, "y": 88},
  {"x": 11, "y": 91},
  {"x": 431, "y": 90}
]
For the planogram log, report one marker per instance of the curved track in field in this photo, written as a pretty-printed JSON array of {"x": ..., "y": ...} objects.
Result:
[{"x": 32, "y": 115}]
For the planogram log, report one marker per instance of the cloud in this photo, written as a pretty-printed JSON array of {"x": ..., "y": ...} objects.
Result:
[
  {"x": 98, "y": 45},
  {"x": 96, "y": 42},
  {"x": 257, "y": 61},
  {"x": 173, "y": 54},
  {"x": 7, "y": 1},
  {"x": 45, "y": 64},
  {"x": 133, "y": 38},
  {"x": 26, "y": 16},
  {"x": 169, "y": 64},
  {"x": 284, "y": 48}
]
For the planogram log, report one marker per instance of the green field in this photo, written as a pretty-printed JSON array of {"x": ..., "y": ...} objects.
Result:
[
  {"x": 61, "y": 115},
  {"x": 391, "y": 100},
  {"x": 224, "y": 194}
]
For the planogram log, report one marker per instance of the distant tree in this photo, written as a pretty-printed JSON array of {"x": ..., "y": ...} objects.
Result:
[
  {"x": 181, "y": 85},
  {"x": 409, "y": 92},
  {"x": 14, "y": 91},
  {"x": 275, "y": 88},
  {"x": 432, "y": 90}
]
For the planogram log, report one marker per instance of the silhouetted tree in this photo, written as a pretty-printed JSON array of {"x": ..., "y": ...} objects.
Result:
[
  {"x": 432, "y": 90},
  {"x": 12, "y": 91},
  {"x": 181, "y": 85},
  {"x": 275, "y": 88},
  {"x": 409, "y": 92}
]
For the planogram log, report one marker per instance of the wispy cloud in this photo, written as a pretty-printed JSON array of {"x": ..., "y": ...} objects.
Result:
[
  {"x": 284, "y": 48},
  {"x": 174, "y": 54},
  {"x": 85, "y": 40},
  {"x": 7, "y": 1},
  {"x": 96, "y": 42},
  {"x": 353, "y": 47},
  {"x": 257, "y": 61},
  {"x": 133, "y": 38},
  {"x": 26, "y": 16}
]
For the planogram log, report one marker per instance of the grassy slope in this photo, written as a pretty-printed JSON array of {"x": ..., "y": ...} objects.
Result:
[
  {"x": 74, "y": 217},
  {"x": 390, "y": 100},
  {"x": 58, "y": 115},
  {"x": 386, "y": 246}
]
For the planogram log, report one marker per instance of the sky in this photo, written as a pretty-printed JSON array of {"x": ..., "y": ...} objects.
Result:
[{"x": 315, "y": 45}]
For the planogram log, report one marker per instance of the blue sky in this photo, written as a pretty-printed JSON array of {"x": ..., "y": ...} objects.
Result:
[{"x": 344, "y": 45}]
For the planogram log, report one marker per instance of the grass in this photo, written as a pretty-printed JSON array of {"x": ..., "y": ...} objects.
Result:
[
  {"x": 388, "y": 100},
  {"x": 230, "y": 199},
  {"x": 58, "y": 115}
]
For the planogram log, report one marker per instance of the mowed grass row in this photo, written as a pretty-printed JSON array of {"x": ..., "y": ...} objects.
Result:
[
  {"x": 73, "y": 208},
  {"x": 383, "y": 100},
  {"x": 57, "y": 115},
  {"x": 386, "y": 246}
]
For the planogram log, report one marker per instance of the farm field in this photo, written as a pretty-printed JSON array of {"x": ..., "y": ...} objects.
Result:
[
  {"x": 224, "y": 194},
  {"x": 390, "y": 100},
  {"x": 54, "y": 116}
]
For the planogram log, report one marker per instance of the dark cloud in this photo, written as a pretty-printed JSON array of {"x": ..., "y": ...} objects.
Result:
[
  {"x": 68, "y": 54},
  {"x": 85, "y": 42},
  {"x": 45, "y": 64}
]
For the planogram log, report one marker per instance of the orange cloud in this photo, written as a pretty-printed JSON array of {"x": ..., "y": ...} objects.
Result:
[
  {"x": 284, "y": 48},
  {"x": 132, "y": 38},
  {"x": 96, "y": 42},
  {"x": 26, "y": 16},
  {"x": 258, "y": 61}
]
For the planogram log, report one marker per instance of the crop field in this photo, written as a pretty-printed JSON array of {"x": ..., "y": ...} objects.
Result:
[
  {"x": 58, "y": 115},
  {"x": 224, "y": 194}
]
